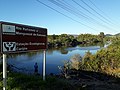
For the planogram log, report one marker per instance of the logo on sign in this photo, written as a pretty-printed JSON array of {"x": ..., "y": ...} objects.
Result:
[
  {"x": 9, "y": 46},
  {"x": 8, "y": 28}
]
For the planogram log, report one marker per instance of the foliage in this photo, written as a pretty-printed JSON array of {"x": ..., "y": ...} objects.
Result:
[
  {"x": 101, "y": 36},
  {"x": 1, "y": 67},
  {"x": 1, "y": 76},
  {"x": 106, "y": 60},
  {"x": 87, "y": 38},
  {"x": 60, "y": 40},
  {"x": 18, "y": 81},
  {"x": 70, "y": 40},
  {"x": 75, "y": 61}
]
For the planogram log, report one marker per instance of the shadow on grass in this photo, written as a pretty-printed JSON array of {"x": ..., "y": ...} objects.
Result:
[{"x": 95, "y": 80}]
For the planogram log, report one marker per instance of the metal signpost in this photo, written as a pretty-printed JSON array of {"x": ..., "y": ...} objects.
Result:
[
  {"x": 4, "y": 72},
  {"x": 16, "y": 38},
  {"x": 44, "y": 64}
]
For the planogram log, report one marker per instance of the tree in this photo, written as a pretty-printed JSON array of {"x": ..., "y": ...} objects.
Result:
[
  {"x": 75, "y": 61},
  {"x": 101, "y": 35}
]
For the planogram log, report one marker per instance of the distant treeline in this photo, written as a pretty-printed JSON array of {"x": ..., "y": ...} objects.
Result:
[{"x": 71, "y": 41}]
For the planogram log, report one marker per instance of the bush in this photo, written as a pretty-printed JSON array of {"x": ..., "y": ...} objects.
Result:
[{"x": 75, "y": 61}]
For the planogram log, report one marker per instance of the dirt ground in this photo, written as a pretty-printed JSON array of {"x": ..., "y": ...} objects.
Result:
[{"x": 93, "y": 80}]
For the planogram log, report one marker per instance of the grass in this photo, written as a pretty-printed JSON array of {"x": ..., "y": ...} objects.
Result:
[{"x": 19, "y": 81}]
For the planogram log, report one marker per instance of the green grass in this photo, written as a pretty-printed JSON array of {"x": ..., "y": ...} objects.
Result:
[{"x": 18, "y": 81}]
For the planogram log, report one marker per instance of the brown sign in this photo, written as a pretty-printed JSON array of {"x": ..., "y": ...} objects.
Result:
[{"x": 21, "y": 38}]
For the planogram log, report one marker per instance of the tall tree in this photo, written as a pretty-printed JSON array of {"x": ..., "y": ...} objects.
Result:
[{"x": 101, "y": 36}]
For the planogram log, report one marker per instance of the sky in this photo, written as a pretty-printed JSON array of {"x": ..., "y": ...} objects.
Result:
[{"x": 64, "y": 16}]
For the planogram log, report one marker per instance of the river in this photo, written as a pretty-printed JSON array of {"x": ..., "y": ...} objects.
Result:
[{"x": 54, "y": 58}]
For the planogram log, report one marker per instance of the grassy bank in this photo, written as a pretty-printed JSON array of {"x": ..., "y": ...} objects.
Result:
[
  {"x": 22, "y": 82},
  {"x": 18, "y": 81},
  {"x": 81, "y": 81}
]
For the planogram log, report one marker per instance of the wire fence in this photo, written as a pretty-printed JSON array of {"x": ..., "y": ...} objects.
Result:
[{"x": 18, "y": 69}]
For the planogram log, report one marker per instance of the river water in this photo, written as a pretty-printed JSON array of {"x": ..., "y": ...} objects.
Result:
[{"x": 54, "y": 58}]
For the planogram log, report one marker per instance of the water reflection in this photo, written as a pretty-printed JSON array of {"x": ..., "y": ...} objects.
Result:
[{"x": 55, "y": 58}]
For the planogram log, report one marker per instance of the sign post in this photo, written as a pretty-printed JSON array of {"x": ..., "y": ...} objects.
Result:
[
  {"x": 16, "y": 38},
  {"x": 44, "y": 64},
  {"x": 4, "y": 72}
]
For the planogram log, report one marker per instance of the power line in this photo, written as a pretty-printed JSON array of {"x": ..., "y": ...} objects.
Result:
[
  {"x": 108, "y": 23},
  {"x": 96, "y": 11},
  {"x": 70, "y": 11},
  {"x": 65, "y": 7},
  {"x": 89, "y": 12},
  {"x": 65, "y": 15},
  {"x": 75, "y": 9},
  {"x": 68, "y": 6},
  {"x": 99, "y": 9},
  {"x": 102, "y": 12}
]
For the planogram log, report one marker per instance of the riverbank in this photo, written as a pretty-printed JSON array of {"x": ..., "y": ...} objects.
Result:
[
  {"x": 80, "y": 80},
  {"x": 20, "y": 81}
]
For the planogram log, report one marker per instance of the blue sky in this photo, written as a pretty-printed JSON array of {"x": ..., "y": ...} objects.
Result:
[{"x": 32, "y": 12}]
